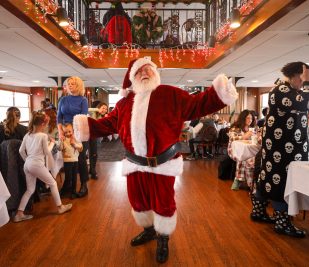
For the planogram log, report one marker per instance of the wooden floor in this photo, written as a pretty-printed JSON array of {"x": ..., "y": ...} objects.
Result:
[{"x": 213, "y": 228}]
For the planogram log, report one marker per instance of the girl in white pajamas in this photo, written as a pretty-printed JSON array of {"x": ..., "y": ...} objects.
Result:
[{"x": 34, "y": 149}]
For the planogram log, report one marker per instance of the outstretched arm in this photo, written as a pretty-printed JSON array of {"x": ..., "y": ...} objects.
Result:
[
  {"x": 221, "y": 93},
  {"x": 86, "y": 128}
]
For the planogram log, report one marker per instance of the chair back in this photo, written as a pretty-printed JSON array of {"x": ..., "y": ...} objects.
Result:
[
  {"x": 12, "y": 171},
  {"x": 209, "y": 134}
]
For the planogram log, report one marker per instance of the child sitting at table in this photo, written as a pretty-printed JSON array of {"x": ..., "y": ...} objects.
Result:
[
  {"x": 240, "y": 131},
  {"x": 33, "y": 150},
  {"x": 70, "y": 149}
]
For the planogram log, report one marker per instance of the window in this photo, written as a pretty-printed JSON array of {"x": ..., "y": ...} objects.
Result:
[
  {"x": 19, "y": 100},
  {"x": 113, "y": 99}
]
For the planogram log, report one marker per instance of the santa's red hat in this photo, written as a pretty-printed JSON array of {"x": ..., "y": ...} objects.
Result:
[{"x": 134, "y": 66}]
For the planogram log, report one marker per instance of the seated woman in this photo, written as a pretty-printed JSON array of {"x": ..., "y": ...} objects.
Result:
[
  {"x": 240, "y": 131},
  {"x": 10, "y": 128}
]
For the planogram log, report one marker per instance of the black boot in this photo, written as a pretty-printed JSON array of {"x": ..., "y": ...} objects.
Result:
[
  {"x": 162, "y": 248},
  {"x": 147, "y": 235},
  {"x": 83, "y": 190},
  {"x": 284, "y": 226},
  {"x": 259, "y": 213},
  {"x": 93, "y": 172}
]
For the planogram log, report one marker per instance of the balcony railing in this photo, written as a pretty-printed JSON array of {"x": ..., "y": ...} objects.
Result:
[{"x": 179, "y": 27}]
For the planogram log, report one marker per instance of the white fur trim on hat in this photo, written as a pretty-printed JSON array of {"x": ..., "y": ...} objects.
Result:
[
  {"x": 138, "y": 64},
  {"x": 144, "y": 218},
  {"x": 81, "y": 127},
  {"x": 225, "y": 89},
  {"x": 165, "y": 225},
  {"x": 173, "y": 167}
]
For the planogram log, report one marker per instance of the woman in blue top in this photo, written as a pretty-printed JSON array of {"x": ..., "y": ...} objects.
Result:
[{"x": 69, "y": 106}]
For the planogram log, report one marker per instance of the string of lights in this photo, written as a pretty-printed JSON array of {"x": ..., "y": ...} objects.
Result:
[{"x": 192, "y": 51}]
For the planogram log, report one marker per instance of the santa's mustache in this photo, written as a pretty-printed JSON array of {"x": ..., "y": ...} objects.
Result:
[{"x": 146, "y": 83}]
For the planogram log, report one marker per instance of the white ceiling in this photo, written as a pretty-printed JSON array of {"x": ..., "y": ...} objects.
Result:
[{"x": 28, "y": 57}]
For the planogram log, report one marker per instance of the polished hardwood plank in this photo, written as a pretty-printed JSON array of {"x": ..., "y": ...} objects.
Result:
[{"x": 213, "y": 228}]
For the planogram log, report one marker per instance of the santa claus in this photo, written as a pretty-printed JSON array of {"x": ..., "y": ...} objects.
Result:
[{"x": 149, "y": 120}]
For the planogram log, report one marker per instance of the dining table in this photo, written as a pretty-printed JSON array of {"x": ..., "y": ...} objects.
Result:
[
  {"x": 4, "y": 196},
  {"x": 296, "y": 192}
]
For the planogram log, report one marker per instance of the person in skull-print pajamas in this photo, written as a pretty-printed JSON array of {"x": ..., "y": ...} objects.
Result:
[{"x": 284, "y": 139}]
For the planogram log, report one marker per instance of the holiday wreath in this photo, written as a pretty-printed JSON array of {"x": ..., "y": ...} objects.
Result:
[{"x": 147, "y": 27}]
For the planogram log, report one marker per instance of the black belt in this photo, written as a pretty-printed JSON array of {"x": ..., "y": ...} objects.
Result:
[{"x": 157, "y": 160}]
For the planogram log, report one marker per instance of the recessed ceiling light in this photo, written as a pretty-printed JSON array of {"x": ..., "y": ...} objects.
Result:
[
  {"x": 35, "y": 81},
  {"x": 190, "y": 81},
  {"x": 254, "y": 81},
  {"x": 3, "y": 71},
  {"x": 103, "y": 81}
]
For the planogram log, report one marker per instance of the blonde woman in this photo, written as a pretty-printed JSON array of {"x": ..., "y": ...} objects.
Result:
[{"x": 69, "y": 106}]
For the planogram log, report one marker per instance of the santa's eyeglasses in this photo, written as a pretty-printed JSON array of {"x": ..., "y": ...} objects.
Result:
[{"x": 147, "y": 69}]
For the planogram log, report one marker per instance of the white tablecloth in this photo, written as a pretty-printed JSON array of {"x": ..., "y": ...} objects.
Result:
[
  {"x": 4, "y": 196},
  {"x": 244, "y": 149},
  {"x": 296, "y": 192}
]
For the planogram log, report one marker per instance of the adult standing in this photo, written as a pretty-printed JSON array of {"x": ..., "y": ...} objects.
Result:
[
  {"x": 149, "y": 120},
  {"x": 69, "y": 106},
  {"x": 99, "y": 111},
  {"x": 285, "y": 139},
  {"x": 261, "y": 121}
]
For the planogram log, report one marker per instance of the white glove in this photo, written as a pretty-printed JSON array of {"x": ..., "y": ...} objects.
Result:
[
  {"x": 81, "y": 128},
  {"x": 225, "y": 89}
]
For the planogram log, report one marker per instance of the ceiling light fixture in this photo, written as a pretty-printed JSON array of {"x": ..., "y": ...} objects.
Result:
[
  {"x": 83, "y": 40},
  {"x": 254, "y": 81},
  {"x": 3, "y": 71},
  {"x": 62, "y": 17},
  {"x": 190, "y": 81},
  {"x": 235, "y": 18},
  {"x": 35, "y": 81}
]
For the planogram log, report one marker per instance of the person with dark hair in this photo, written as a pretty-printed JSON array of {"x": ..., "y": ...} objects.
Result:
[
  {"x": 34, "y": 150},
  {"x": 240, "y": 130},
  {"x": 52, "y": 129},
  {"x": 261, "y": 121},
  {"x": 149, "y": 119},
  {"x": 254, "y": 118},
  {"x": 116, "y": 26},
  {"x": 49, "y": 104},
  {"x": 43, "y": 105},
  {"x": 10, "y": 128},
  {"x": 285, "y": 139},
  {"x": 97, "y": 112}
]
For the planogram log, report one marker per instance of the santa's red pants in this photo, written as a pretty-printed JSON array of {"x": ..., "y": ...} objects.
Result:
[{"x": 149, "y": 191}]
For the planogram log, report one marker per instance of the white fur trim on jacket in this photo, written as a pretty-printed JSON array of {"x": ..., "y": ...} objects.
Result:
[
  {"x": 124, "y": 92},
  {"x": 138, "y": 123},
  {"x": 173, "y": 167},
  {"x": 225, "y": 89},
  {"x": 81, "y": 128},
  {"x": 144, "y": 218},
  {"x": 138, "y": 64},
  {"x": 165, "y": 225}
]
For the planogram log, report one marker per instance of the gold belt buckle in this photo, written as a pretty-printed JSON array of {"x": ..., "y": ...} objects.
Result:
[{"x": 152, "y": 161}]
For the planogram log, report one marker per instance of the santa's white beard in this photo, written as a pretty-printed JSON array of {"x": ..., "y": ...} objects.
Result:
[{"x": 146, "y": 85}]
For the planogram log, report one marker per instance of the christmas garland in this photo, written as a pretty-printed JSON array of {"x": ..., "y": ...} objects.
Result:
[{"x": 147, "y": 27}]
